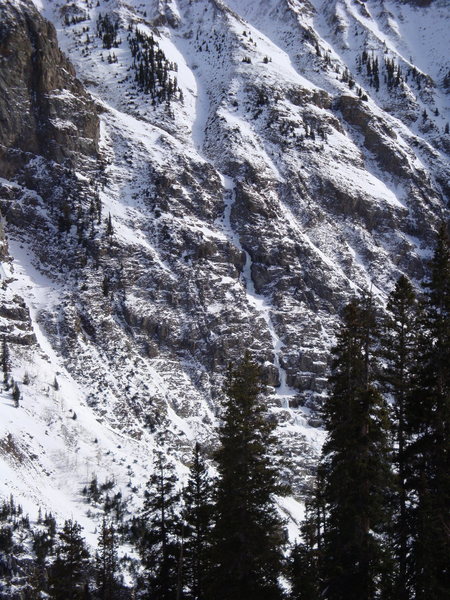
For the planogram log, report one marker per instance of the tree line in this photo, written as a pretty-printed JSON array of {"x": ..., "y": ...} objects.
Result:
[
  {"x": 377, "y": 524},
  {"x": 217, "y": 537}
]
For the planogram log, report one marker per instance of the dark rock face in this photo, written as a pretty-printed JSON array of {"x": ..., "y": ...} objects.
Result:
[
  {"x": 48, "y": 127},
  {"x": 44, "y": 109},
  {"x": 417, "y": 2},
  {"x": 167, "y": 253},
  {"x": 15, "y": 321},
  {"x": 376, "y": 134}
]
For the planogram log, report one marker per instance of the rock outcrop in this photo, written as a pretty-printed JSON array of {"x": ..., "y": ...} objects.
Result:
[
  {"x": 155, "y": 235},
  {"x": 44, "y": 109}
]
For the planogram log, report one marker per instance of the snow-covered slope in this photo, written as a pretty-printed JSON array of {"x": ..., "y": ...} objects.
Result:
[{"x": 299, "y": 157}]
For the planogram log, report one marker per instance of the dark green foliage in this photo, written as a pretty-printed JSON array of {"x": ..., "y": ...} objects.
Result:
[
  {"x": 400, "y": 336},
  {"x": 399, "y": 343},
  {"x": 22, "y": 575},
  {"x": 6, "y": 540},
  {"x": 355, "y": 465},
  {"x": 197, "y": 517},
  {"x": 107, "y": 31},
  {"x": 69, "y": 572},
  {"x": 386, "y": 535},
  {"x": 80, "y": 212},
  {"x": 107, "y": 563},
  {"x": 39, "y": 561},
  {"x": 429, "y": 422},
  {"x": 6, "y": 360},
  {"x": 50, "y": 523},
  {"x": 159, "y": 545},
  {"x": 75, "y": 18},
  {"x": 392, "y": 72},
  {"x": 109, "y": 226},
  {"x": 375, "y": 74},
  {"x": 152, "y": 69},
  {"x": 16, "y": 394},
  {"x": 106, "y": 285},
  {"x": 92, "y": 491},
  {"x": 304, "y": 567},
  {"x": 248, "y": 533},
  {"x": 111, "y": 503},
  {"x": 115, "y": 506},
  {"x": 43, "y": 543},
  {"x": 10, "y": 520},
  {"x": 303, "y": 574}
]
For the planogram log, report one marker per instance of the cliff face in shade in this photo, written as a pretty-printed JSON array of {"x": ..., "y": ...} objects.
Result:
[
  {"x": 44, "y": 109},
  {"x": 281, "y": 157}
]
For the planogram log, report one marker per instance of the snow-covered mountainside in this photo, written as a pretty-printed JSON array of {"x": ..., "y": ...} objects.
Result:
[{"x": 185, "y": 179}]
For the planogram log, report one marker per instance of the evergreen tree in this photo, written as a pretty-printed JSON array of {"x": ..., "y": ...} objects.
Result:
[
  {"x": 109, "y": 226},
  {"x": 107, "y": 563},
  {"x": 43, "y": 543},
  {"x": 399, "y": 342},
  {"x": 16, "y": 394},
  {"x": 70, "y": 570},
  {"x": 197, "y": 516},
  {"x": 248, "y": 533},
  {"x": 355, "y": 465},
  {"x": 429, "y": 422},
  {"x": 160, "y": 543},
  {"x": 305, "y": 558},
  {"x": 6, "y": 360}
]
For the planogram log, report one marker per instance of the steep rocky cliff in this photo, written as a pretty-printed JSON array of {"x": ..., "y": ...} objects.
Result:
[{"x": 222, "y": 175}]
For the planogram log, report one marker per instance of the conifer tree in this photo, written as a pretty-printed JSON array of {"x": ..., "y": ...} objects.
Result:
[
  {"x": 197, "y": 516},
  {"x": 429, "y": 422},
  {"x": 109, "y": 226},
  {"x": 107, "y": 562},
  {"x": 248, "y": 533},
  {"x": 160, "y": 541},
  {"x": 399, "y": 343},
  {"x": 355, "y": 465},
  {"x": 70, "y": 570},
  {"x": 6, "y": 360},
  {"x": 16, "y": 394},
  {"x": 304, "y": 569}
]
